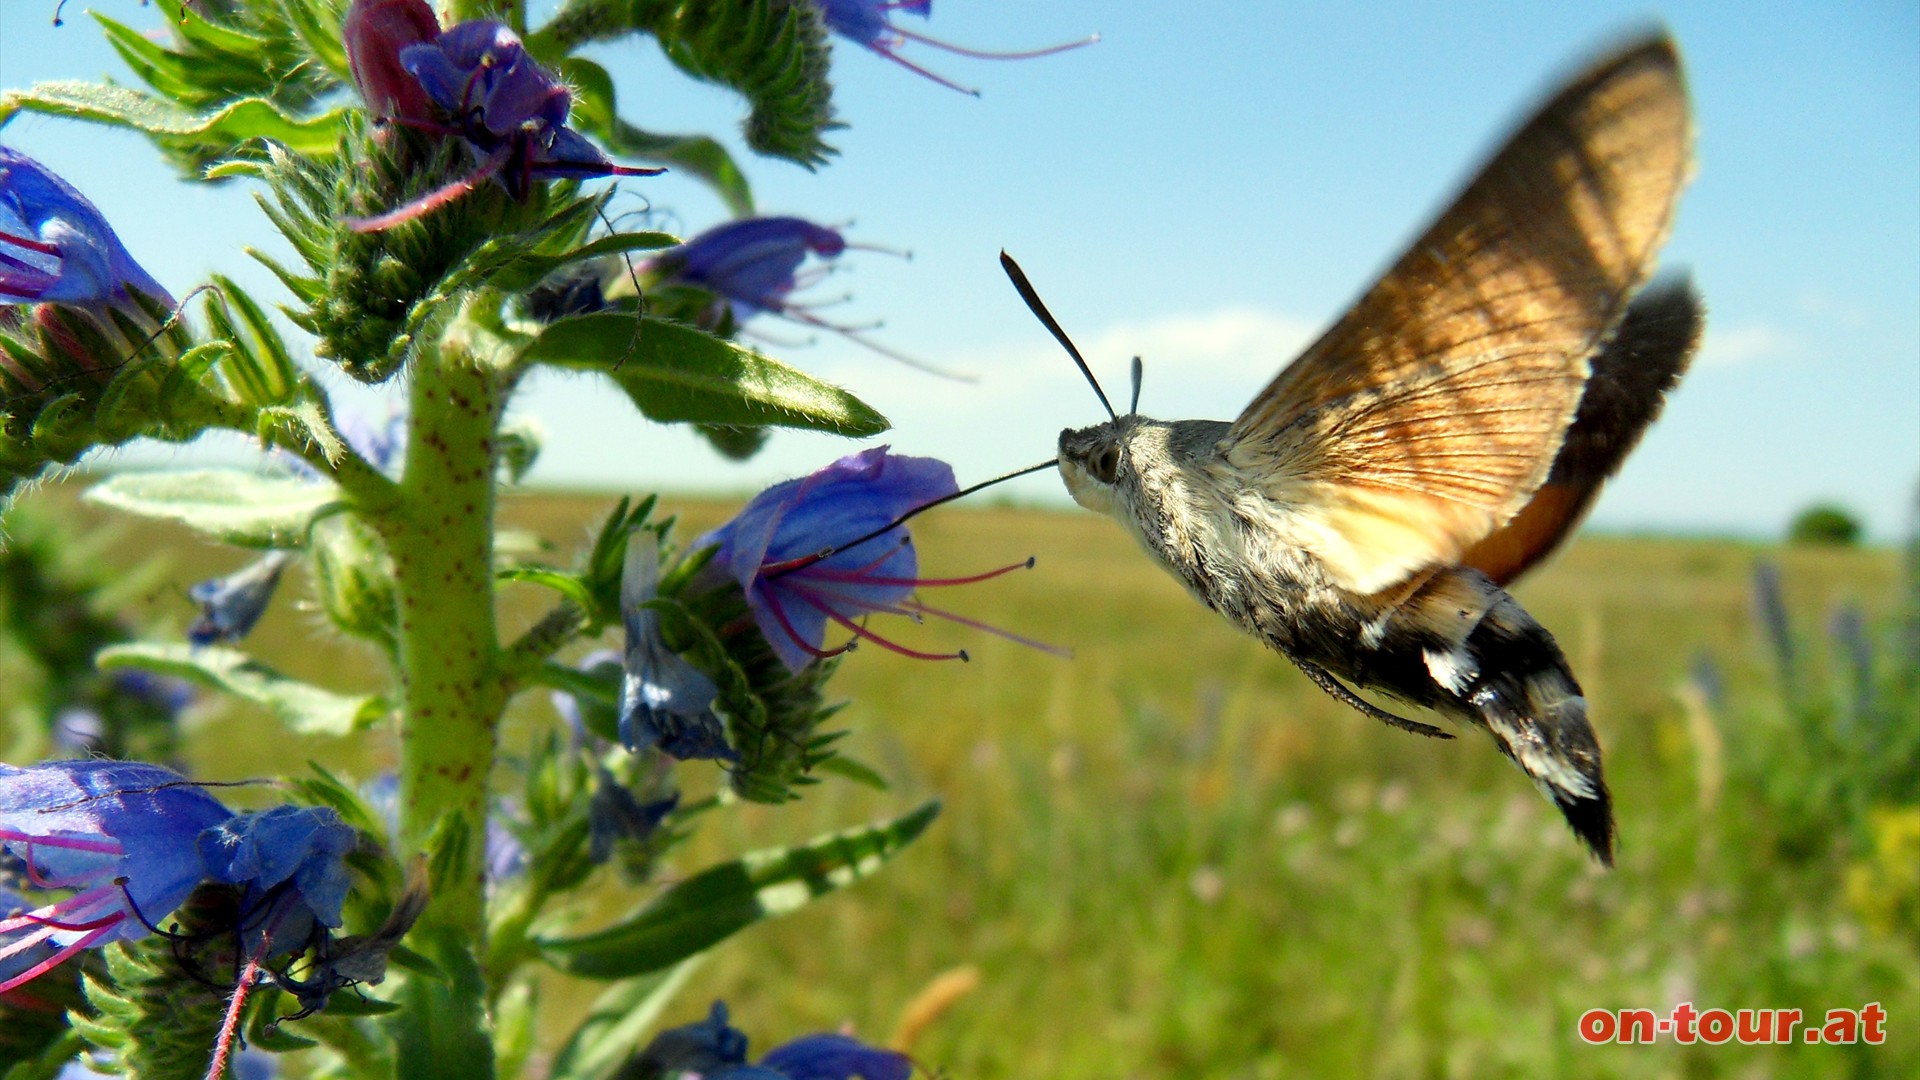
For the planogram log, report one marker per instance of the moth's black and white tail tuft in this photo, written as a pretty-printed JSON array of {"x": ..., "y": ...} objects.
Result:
[{"x": 1523, "y": 692}]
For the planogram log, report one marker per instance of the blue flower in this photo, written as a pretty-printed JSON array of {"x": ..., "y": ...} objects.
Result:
[
  {"x": 753, "y": 266},
  {"x": 291, "y": 860},
  {"x": 834, "y": 1057},
  {"x": 512, "y": 111},
  {"x": 121, "y": 834},
  {"x": 715, "y": 1050},
  {"x": 866, "y": 23},
  {"x": 752, "y": 263},
  {"x": 55, "y": 247},
  {"x": 819, "y": 549},
  {"x": 229, "y": 606},
  {"x": 664, "y": 700}
]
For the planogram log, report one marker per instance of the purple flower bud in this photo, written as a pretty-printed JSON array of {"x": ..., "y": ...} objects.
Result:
[
  {"x": 229, "y": 606},
  {"x": 866, "y": 23},
  {"x": 120, "y": 834},
  {"x": 56, "y": 248},
  {"x": 827, "y": 548},
  {"x": 704, "y": 1047},
  {"x": 375, "y": 32},
  {"x": 664, "y": 700}
]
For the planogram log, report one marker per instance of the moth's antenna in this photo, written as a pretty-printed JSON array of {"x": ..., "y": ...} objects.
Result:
[
  {"x": 1025, "y": 289},
  {"x": 1138, "y": 370},
  {"x": 805, "y": 561}
]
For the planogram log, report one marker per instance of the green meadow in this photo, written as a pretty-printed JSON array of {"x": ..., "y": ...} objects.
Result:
[{"x": 1171, "y": 856}]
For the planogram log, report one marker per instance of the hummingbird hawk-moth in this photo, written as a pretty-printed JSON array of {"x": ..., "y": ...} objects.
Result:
[{"x": 1365, "y": 513}]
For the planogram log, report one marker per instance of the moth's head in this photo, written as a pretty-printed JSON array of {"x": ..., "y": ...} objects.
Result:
[{"x": 1098, "y": 464}]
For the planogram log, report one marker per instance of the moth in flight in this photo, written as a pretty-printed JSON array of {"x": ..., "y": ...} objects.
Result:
[{"x": 1365, "y": 513}]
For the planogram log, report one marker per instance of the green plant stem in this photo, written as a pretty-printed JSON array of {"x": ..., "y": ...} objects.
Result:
[{"x": 440, "y": 536}]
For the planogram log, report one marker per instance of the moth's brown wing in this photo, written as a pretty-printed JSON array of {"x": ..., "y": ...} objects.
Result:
[
  {"x": 1630, "y": 379},
  {"x": 1429, "y": 414}
]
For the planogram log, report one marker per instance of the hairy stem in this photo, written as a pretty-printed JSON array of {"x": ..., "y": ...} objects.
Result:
[{"x": 440, "y": 534}]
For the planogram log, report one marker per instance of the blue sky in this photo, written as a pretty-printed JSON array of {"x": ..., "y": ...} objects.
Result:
[{"x": 1209, "y": 186}]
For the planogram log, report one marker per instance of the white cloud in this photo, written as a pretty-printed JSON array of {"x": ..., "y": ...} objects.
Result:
[{"x": 1740, "y": 345}]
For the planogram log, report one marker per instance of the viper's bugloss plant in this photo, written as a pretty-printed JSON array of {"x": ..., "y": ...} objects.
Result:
[{"x": 441, "y": 179}]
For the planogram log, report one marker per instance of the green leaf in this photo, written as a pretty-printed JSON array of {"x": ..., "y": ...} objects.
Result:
[
  {"x": 717, "y": 902},
  {"x": 617, "y": 1021},
  {"x": 595, "y": 113},
  {"x": 230, "y": 505},
  {"x": 213, "y": 132},
  {"x": 675, "y": 373},
  {"x": 305, "y": 709},
  {"x": 856, "y": 771}
]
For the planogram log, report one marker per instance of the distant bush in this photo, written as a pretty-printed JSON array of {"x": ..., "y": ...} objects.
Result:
[{"x": 1824, "y": 525}]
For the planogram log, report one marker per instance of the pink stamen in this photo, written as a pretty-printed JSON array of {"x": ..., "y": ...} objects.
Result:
[
  {"x": 780, "y": 616},
  {"x": 978, "y": 54},
  {"x": 435, "y": 199},
  {"x": 31, "y": 244},
  {"x": 1051, "y": 650},
  {"x": 862, "y": 632},
  {"x": 918, "y": 70},
  {"x": 51, "y": 962}
]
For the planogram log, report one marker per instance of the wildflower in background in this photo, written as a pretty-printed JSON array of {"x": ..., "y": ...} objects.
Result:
[
  {"x": 615, "y": 812},
  {"x": 229, "y": 606},
  {"x": 665, "y": 701},
  {"x": 485, "y": 88},
  {"x": 122, "y": 834},
  {"x": 866, "y": 23},
  {"x": 774, "y": 550},
  {"x": 56, "y": 248},
  {"x": 715, "y": 1050}
]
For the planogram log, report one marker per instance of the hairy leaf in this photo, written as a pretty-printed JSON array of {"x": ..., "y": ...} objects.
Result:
[
  {"x": 676, "y": 373},
  {"x": 305, "y": 709},
  {"x": 234, "y": 506}
]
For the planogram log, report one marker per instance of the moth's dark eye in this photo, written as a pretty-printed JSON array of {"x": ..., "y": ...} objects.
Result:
[{"x": 1105, "y": 465}]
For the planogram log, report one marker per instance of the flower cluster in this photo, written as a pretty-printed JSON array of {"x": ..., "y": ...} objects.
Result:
[{"x": 475, "y": 81}]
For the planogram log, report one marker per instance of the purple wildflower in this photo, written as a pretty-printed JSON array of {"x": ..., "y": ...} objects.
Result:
[
  {"x": 834, "y": 1057},
  {"x": 664, "y": 700},
  {"x": 122, "y": 834},
  {"x": 716, "y": 1050},
  {"x": 229, "y": 606},
  {"x": 866, "y": 23},
  {"x": 512, "y": 111},
  {"x": 56, "y": 248},
  {"x": 753, "y": 265},
  {"x": 291, "y": 861},
  {"x": 785, "y": 551}
]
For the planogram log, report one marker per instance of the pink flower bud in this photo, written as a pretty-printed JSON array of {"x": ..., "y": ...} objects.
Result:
[{"x": 376, "y": 31}]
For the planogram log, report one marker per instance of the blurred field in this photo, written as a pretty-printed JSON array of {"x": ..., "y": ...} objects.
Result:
[{"x": 1172, "y": 857}]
